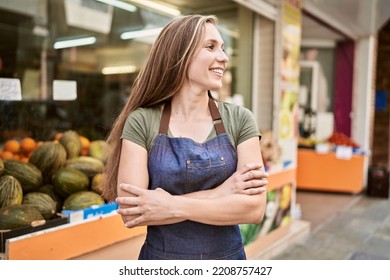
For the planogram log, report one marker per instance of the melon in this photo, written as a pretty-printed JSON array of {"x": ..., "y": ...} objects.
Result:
[
  {"x": 11, "y": 191},
  {"x": 84, "y": 199},
  {"x": 16, "y": 216}
]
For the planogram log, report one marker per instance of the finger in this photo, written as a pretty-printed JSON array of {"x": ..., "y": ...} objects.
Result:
[
  {"x": 127, "y": 200},
  {"x": 127, "y": 218},
  {"x": 129, "y": 211},
  {"x": 250, "y": 166},
  {"x": 134, "y": 222},
  {"x": 254, "y": 191},
  {"x": 254, "y": 174}
]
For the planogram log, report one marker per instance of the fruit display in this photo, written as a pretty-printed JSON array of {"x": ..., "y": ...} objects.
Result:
[
  {"x": 277, "y": 214},
  {"x": 20, "y": 215},
  {"x": 336, "y": 139},
  {"x": 340, "y": 139},
  {"x": 84, "y": 199},
  {"x": 42, "y": 202},
  {"x": 11, "y": 191},
  {"x": 39, "y": 179},
  {"x": 270, "y": 150},
  {"x": 48, "y": 157}
]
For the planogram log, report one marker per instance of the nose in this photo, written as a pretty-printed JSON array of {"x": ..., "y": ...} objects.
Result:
[{"x": 221, "y": 56}]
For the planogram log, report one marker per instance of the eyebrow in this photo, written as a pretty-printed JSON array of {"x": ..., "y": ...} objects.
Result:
[{"x": 215, "y": 42}]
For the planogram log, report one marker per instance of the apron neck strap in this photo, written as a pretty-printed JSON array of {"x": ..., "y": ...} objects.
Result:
[{"x": 217, "y": 120}]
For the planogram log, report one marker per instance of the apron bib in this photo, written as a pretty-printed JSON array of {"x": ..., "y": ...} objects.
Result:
[{"x": 180, "y": 166}]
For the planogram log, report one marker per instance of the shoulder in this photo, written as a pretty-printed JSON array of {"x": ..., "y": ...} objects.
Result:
[
  {"x": 142, "y": 113},
  {"x": 230, "y": 110},
  {"x": 142, "y": 126},
  {"x": 239, "y": 122}
]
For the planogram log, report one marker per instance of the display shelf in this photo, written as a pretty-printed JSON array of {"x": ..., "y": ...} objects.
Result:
[
  {"x": 326, "y": 172},
  {"x": 70, "y": 240},
  {"x": 272, "y": 244},
  {"x": 85, "y": 237},
  {"x": 277, "y": 179}
]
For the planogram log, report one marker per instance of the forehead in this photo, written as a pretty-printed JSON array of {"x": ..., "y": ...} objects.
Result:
[{"x": 211, "y": 33}]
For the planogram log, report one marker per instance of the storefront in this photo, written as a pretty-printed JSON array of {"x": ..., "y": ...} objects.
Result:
[
  {"x": 70, "y": 64},
  {"x": 337, "y": 93}
]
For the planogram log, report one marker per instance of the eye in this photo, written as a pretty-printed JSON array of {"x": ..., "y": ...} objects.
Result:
[{"x": 210, "y": 47}]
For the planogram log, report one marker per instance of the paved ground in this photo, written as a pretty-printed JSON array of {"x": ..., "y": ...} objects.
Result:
[{"x": 359, "y": 231}]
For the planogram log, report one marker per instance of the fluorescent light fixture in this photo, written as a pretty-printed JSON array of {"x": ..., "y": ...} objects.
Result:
[
  {"x": 140, "y": 33},
  {"x": 120, "y": 5},
  {"x": 109, "y": 70},
  {"x": 157, "y": 7},
  {"x": 75, "y": 42}
]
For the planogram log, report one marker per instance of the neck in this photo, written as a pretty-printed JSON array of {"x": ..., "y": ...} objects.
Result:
[{"x": 190, "y": 106}]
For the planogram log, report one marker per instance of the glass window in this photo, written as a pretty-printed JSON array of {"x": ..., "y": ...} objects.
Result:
[{"x": 72, "y": 63}]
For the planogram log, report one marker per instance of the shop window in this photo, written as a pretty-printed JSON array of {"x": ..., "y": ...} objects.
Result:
[{"x": 83, "y": 87}]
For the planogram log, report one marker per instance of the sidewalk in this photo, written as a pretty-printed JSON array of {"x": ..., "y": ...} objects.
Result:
[{"x": 359, "y": 231}]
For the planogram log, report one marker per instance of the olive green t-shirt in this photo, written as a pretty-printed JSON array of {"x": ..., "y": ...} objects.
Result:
[{"x": 143, "y": 124}]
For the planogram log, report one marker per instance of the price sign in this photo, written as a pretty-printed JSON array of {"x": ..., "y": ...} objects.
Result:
[
  {"x": 343, "y": 152},
  {"x": 10, "y": 89}
]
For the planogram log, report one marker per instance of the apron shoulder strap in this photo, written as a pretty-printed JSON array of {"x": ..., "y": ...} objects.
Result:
[
  {"x": 166, "y": 114},
  {"x": 217, "y": 119},
  {"x": 216, "y": 116}
]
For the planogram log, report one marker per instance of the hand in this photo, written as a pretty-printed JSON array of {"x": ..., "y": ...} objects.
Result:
[
  {"x": 144, "y": 206},
  {"x": 250, "y": 179}
]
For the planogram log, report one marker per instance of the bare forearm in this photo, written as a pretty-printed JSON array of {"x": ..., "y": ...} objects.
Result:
[{"x": 231, "y": 209}]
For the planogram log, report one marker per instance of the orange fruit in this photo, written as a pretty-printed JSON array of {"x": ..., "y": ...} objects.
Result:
[
  {"x": 24, "y": 159},
  {"x": 84, "y": 142},
  {"x": 16, "y": 156},
  {"x": 84, "y": 152},
  {"x": 58, "y": 136},
  {"x": 12, "y": 146},
  {"x": 28, "y": 144},
  {"x": 7, "y": 155}
]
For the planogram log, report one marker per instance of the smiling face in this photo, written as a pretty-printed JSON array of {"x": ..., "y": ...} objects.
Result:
[{"x": 206, "y": 69}]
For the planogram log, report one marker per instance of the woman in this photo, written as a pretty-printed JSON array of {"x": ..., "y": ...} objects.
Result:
[{"x": 189, "y": 168}]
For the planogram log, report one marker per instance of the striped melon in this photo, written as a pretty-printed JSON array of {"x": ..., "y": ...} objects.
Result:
[
  {"x": 16, "y": 216},
  {"x": 11, "y": 191}
]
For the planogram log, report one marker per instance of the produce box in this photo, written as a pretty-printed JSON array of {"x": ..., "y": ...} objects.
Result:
[
  {"x": 11, "y": 233},
  {"x": 91, "y": 212}
]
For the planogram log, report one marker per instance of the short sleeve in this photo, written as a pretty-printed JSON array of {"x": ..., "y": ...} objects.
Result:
[
  {"x": 248, "y": 125},
  {"x": 134, "y": 129}
]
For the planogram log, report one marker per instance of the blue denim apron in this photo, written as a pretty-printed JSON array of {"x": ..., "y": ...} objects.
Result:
[{"x": 180, "y": 166}]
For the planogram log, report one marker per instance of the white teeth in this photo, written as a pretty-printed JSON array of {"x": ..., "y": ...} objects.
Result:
[{"x": 219, "y": 71}]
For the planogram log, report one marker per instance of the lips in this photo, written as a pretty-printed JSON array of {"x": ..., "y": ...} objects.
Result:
[{"x": 218, "y": 71}]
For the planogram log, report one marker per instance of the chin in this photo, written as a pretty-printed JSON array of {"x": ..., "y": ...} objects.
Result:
[{"x": 215, "y": 87}]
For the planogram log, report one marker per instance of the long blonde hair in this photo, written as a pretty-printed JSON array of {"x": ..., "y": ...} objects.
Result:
[{"x": 161, "y": 78}]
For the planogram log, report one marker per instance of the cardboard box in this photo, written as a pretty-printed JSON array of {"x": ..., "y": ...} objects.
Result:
[
  {"x": 91, "y": 212},
  {"x": 10, "y": 233}
]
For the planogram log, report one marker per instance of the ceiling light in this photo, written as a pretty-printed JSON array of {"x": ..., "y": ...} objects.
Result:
[
  {"x": 120, "y": 5},
  {"x": 119, "y": 69},
  {"x": 74, "y": 42},
  {"x": 158, "y": 7},
  {"x": 140, "y": 33}
]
